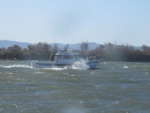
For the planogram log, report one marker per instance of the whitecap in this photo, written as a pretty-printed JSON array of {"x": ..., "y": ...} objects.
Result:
[
  {"x": 57, "y": 68},
  {"x": 9, "y": 73},
  {"x": 39, "y": 72},
  {"x": 146, "y": 73},
  {"x": 125, "y": 67},
  {"x": 73, "y": 75},
  {"x": 81, "y": 102}
]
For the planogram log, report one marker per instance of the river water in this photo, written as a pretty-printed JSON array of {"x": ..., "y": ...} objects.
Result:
[{"x": 114, "y": 87}]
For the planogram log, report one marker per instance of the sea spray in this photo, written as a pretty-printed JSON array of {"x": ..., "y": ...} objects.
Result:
[{"x": 80, "y": 65}]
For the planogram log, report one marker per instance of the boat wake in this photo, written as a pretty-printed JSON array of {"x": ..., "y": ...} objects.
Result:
[{"x": 16, "y": 66}]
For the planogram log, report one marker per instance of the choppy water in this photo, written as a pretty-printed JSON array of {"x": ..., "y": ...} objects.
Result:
[{"x": 115, "y": 87}]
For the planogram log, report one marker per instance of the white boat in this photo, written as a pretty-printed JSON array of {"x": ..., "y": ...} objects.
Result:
[{"x": 62, "y": 59}]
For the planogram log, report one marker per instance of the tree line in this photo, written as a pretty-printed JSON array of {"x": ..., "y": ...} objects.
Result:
[{"x": 108, "y": 52}]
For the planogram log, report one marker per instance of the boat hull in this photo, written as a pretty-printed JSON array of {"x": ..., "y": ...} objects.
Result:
[
  {"x": 93, "y": 64},
  {"x": 49, "y": 64}
]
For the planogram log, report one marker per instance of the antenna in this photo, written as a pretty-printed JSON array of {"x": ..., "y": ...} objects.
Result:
[
  {"x": 54, "y": 39},
  {"x": 52, "y": 49}
]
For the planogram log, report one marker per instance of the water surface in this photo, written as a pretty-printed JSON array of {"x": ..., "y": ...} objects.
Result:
[{"x": 114, "y": 87}]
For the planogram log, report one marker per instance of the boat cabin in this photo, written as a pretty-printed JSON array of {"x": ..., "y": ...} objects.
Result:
[{"x": 66, "y": 56}]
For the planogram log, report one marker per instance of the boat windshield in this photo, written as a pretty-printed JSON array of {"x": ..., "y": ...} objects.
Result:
[
  {"x": 68, "y": 57},
  {"x": 61, "y": 57},
  {"x": 58, "y": 57}
]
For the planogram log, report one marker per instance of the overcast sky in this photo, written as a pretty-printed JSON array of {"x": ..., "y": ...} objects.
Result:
[{"x": 74, "y": 21}]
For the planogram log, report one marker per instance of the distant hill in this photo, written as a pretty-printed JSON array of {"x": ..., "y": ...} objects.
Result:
[{"x": 8, "y": 43}]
